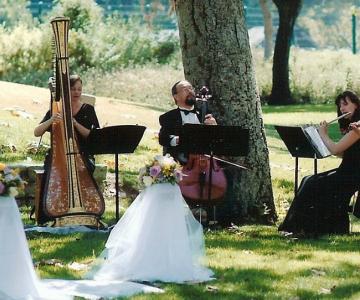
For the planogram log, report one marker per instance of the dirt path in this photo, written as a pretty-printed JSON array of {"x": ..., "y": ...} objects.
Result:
[{"x": 35, "y": 101}]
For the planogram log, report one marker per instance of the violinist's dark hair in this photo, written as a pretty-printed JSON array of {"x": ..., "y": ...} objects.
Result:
[
  {"x": 352, "y": 97},
  {"x": 73, "y": 79}
]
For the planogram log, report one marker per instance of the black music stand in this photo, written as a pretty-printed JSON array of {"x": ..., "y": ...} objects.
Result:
[
  {"x": 214, "y": 140},
  {"x": 299, "y": 146},
  {"x": 115, "y": 140},
  {"x": 218, "y": 140}
]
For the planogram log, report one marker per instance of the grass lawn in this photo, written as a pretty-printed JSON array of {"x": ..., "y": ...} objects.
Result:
[{"x": 250, "y": 261}]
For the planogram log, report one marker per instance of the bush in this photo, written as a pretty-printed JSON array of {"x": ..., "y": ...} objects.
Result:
[
  {"x": 28, "y": 59},
  {"x": 84, "y": 14},
  {"x": 14, "y": 13},
  {"x": 315, "y": 76},
  {"x": 94, "y": 43}
]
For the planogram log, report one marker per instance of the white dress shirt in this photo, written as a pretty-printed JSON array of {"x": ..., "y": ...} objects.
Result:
[{"x": 190, "y": 118}]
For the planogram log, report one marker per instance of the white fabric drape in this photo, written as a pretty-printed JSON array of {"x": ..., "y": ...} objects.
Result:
[
  {"x": 157, "y": 239},
  {"x": 15, "y": 260},
  {"x": 18, "y": 280}
]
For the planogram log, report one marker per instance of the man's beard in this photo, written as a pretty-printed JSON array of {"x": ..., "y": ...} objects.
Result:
[{"x": 190, "y": 101}]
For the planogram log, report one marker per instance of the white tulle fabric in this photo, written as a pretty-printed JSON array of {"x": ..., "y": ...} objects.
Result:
[
  {"x": 157, "y": 239},
  {"x": 15, "y": 261},
  {"x": 18, "y": 280}
]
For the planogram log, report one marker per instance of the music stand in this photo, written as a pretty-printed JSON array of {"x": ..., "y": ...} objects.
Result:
[
  {"x": 214, "y": 140},
  {"x": 298, "y": 145},
  {"x": 218, "y": 140},
  {"x": 115, "y": 140}
]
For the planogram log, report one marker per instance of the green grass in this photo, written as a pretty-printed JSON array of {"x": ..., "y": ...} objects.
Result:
[{"x": 250, "y": 262}]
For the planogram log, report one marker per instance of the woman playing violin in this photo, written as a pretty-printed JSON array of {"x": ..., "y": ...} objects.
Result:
[{"x": 322, "y": 201}]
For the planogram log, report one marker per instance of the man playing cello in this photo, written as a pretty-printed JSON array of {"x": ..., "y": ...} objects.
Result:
[{"x": 171, "y": 121}]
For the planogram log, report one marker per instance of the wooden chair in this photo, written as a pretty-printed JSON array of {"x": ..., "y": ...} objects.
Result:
[{"x": 89, "y": 99}]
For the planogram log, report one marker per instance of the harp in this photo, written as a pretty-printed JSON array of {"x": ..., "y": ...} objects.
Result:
[{"x": 70, "y": 194}]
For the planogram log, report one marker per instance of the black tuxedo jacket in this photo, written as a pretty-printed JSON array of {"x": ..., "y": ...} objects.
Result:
[{"x": 171, "y": 123}]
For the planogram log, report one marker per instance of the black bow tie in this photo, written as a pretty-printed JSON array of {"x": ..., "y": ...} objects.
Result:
[{"x": 186, "y": 112}]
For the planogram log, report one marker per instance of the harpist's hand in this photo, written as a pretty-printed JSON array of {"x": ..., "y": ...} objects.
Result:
[{"x": 55, "y": 118}]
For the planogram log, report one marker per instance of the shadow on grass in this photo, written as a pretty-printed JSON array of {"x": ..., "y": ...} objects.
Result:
[
  {"x": 67, "y": 248},
  {"x": 266, "y": 240},
  {"x": 250, "y": 283},
  {"x": 344, "y": 291}
]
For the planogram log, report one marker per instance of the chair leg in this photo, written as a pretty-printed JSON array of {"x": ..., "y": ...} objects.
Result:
[
  {"x": 38, "y": 183},
  {"x": 355, "y": 207}
]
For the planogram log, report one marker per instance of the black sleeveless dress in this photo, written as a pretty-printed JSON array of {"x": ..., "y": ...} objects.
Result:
[
  {"x": 86, "y": 116},
  {"x": 322, "y": 202}
]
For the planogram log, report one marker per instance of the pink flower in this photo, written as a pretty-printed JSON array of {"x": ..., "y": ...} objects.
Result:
[
  {"x": 178, "y": 175},
  {"x": 155, "y": 171}
]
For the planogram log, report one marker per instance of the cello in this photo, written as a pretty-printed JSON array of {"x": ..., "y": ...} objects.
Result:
[
  {"x": 70, "y": 194},
  {"x": 203, "y": 181}
]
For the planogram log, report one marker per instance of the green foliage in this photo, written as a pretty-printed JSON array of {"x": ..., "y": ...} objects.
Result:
[
  {"x": 95, "y": 42},
  {"x": 315, "y": 76},
  {"x": 14, "y": 13},
  {"x": 84, "y": 14},
  {"x": 329, "y": 24},
  {"x": 148, "y": 84},
  {"x": 28, "y": 59},
  {"x": 164, "y": 51},
  {"x": 81, "y": 55}
]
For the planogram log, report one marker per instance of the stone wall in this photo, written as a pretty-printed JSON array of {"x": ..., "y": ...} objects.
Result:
[{"x": 27, "y": 173}]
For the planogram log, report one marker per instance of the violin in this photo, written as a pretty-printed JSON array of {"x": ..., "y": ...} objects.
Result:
[{"x": 203, "y": 180}]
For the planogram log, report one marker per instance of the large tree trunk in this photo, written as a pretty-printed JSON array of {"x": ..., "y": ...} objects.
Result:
[
  {"x": 216, "y": 52},
  {"x": 268, "y": 28},
  {"x": 288, "y": 12}
]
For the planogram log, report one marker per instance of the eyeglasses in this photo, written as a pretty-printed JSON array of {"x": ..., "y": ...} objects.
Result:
[{"x": 186, "y": 88}]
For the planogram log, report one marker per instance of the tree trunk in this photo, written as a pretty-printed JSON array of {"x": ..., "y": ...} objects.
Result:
[
  {"x": 268, "y": 29},
  {"x": 288, "y": 12},
  {"x": 216, "y": 52}
]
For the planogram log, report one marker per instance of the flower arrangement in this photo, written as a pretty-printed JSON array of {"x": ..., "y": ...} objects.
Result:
[
  {"x": 10, "y": 181},
  {"x": 161, "y": 170}
]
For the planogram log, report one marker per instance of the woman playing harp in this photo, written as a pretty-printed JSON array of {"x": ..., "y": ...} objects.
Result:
[
  {"x": 84, "y": 120},
  {"x": 69, "y": 194}
]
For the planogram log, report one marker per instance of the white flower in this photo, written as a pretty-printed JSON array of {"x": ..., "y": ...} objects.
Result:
[
  {"x": 147, "y": 180},
  {"x": 142, "y": 171},
  {"x": 13, "y": 192},
  {"x": 9, "y": 177},
  {"x": 166, "y": 161},
  {"x": 158, "y": 158}
]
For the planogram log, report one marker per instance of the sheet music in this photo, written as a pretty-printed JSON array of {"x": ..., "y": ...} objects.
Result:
[{"x": 313, "y": 134}]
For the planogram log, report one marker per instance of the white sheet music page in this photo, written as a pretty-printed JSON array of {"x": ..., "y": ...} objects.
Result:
[{"x": 313, "y": 134}]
